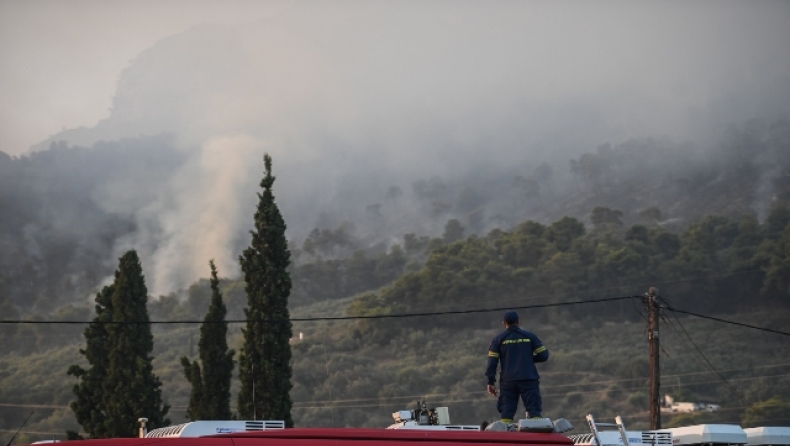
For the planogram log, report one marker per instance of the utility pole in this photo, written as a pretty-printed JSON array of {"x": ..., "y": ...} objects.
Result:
[{"x": 655, "y": 374}]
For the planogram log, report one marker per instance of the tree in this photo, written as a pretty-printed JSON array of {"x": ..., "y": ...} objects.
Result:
[
  {"x": 120, "y": 386},
  {"x": 453, "y": 231},
  {"x": 564, "y": 231},
  {"x": 196, "y": 399},
  {"x": 210, "y": 396},
  {"x": 414, "y": 245},
  {"x": 604, "y": 218},
  {"x": 88, "y": 409},
  {"x": 638, "y": 233},
  {"x": 360, "y": 273},
  {"x": 765, "y": 413},
  {"x": 264, "y": 361},
  {"x": 527, "y": 187},
  {"x": 775, "y": 261},
  {"x": 330, "y": 243},
  {"x": 593, "y": 169},
  {"x": 524, "y": 246},
  {"x": 651, "y": 215},
  {"x": 777, "y": 221}
]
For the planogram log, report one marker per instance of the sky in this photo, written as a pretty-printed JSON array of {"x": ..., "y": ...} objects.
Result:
[
  {"x": 353, "y": 97},
  {"x": 60, "y": 60}
]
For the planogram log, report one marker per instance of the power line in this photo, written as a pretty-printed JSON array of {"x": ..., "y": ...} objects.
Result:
[
  {"x": 770, "y": 330},
  {"x": 396, "y": 316},
  {"x": 712, "y": 368},
  {"x": 602, "y": 290},
  {"x": 379, "y": 401},
  {"x": 483, "y": 392},
  {"x": 33, "y": 406},
  {"x": 34, "y": 432},
  {"x": 337, "y": 318},
  {"x": 375, "y": 403}
]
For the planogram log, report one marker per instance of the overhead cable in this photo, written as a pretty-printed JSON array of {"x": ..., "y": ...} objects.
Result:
[
  {"x": 770, "y": 330},
  {"x": 337, "y": 318},
  {"x": 713, "y": 368}
]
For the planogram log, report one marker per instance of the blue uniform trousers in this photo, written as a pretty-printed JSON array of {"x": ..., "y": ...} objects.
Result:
[{"x": 528, "y": 390}]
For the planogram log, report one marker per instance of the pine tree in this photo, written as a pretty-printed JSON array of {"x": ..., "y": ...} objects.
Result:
[
  {"x": 264, "y": 360},
  {"x": 120, "y": 386},
  {"x": 210, "y": 397}
]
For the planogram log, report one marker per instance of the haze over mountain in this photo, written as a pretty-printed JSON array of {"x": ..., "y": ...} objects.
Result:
[
  {"x": 412, "y": 143},
  {"x": 397, "y": 117}
]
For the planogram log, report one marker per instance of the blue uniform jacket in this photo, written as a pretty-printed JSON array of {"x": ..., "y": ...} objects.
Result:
[{"x": 517, "y": 350}]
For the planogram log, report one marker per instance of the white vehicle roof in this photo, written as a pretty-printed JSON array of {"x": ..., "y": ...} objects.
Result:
[
  {"x": 613, "y": 438},
  {"x": 441, "y": 427},
  {"x": 212, "y": 427},
  {"x": 768, "y": 435},
  {"x": 708, "y": 433}
]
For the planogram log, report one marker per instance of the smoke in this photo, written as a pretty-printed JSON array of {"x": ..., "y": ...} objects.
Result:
[
  {"x": 355, "y": 98},
  {"x": 196, "y": 215}
]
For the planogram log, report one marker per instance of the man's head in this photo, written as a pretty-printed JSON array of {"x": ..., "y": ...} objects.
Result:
[{"x": 510, "y": 318}]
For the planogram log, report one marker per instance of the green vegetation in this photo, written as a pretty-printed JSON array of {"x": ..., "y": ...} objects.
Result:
[
  {"x": 264, "y": 360},
  {"x": 356, "y": 372},
  {"x": 89, "y": 408},
  {"x": 610, "y": 242},
  {"x": 120, "y": 384},
  {"x": 210, "y": 396},
  {"x": 51, "y": 199}
]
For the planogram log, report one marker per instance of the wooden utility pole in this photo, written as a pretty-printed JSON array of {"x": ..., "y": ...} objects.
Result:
[{"x": 655, "y": 375}]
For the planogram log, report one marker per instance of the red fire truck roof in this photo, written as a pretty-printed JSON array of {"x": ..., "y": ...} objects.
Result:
[{"x": 351, "y": 436}]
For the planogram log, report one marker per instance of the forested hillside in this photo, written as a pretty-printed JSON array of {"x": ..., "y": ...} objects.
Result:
[
  {"x": 68, "y": 212},
  {"x": 557, "y": 161},
  {"x": 356, "y": 372},
  {"x": 61, "y": 220},
  {"x": 710, "y": 229}
]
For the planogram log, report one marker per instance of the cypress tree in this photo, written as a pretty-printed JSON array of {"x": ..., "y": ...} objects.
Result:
[
  {"x": 120, "y": 387},
  {"x": 210, "y": 397},
  {"x": 195, "y": 377},
  {"x": 264, "y": 360},
  {"x": 88, "y": 408}
]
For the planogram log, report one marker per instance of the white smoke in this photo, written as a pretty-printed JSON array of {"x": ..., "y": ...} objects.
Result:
[
  {"x": 355, "y": 97},
  {"x": 197, "y": 216}
]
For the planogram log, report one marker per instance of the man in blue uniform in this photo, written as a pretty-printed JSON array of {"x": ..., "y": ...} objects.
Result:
[{"x": 517, "y": 351}]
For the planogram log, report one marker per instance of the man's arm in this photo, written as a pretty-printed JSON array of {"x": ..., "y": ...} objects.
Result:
[
  {"x": 539, "y": 352},
  {"x": 493, "y": 362}
]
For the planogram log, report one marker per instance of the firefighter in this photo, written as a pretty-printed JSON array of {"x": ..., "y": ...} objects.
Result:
[{"x": 517, "y": 351}]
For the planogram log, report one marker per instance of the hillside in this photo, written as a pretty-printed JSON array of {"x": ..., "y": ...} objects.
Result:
[
  {"x": 356, "y": 372},
  {"x": 434, "y": 165},
  {"x": 69, "y": 211}
]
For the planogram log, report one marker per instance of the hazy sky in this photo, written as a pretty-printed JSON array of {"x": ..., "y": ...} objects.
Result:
[
  {"x": 352, "y": 97},
  {"x": 60, "y": 60}
]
